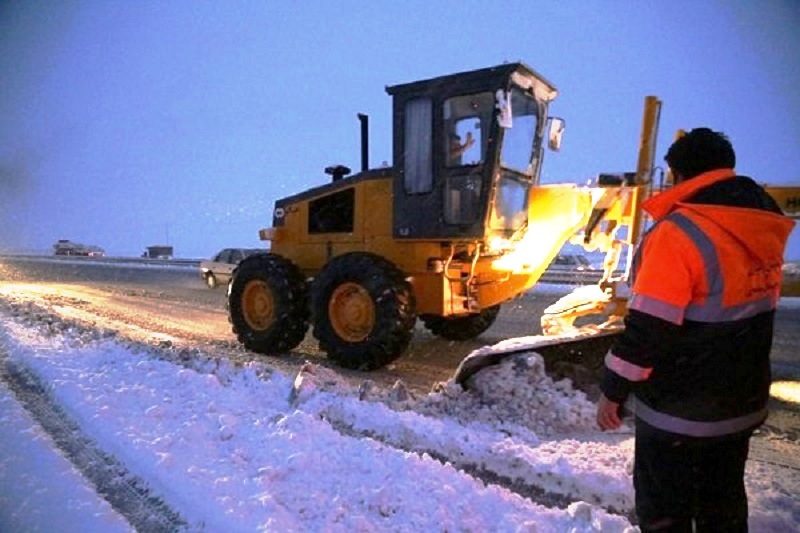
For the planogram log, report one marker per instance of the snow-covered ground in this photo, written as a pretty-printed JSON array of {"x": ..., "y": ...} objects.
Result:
[{"x": 209, "y": 446}]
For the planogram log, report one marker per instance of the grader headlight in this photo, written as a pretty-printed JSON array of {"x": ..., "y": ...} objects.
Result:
[{"x": 499, "y": 245}]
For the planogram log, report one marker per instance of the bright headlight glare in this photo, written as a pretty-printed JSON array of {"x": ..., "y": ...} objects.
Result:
[{"x": 499, "y": 244}]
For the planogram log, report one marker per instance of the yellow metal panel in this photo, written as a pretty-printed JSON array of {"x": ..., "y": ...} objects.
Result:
[
  {"x": 377, "y": 205},
  {"x": 788, "y": 198},
  {"x": 409, "y": 256},
  {"x": 271, "y": 234},
  {"x": 432, "y": 292},
  {"x": 645, "y": 163},
  {"x": 512, "y": 286}
]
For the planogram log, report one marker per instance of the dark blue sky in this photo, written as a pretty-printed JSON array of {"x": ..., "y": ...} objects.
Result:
[{"x": 126, "y": 124}]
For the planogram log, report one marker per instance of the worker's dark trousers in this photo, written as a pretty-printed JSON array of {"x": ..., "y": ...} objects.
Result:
[{"x": 680, "y": 480}]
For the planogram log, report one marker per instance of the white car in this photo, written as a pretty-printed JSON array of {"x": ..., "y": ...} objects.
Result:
[
  {"x": 570, "y": 263},
  {"x": 217, "y": 270}
]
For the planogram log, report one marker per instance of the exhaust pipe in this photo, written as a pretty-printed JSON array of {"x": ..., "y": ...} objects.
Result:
[{"x": 364, "y": 141}]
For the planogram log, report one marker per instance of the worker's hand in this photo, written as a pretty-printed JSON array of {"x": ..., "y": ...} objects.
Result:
[{"x": 608, "y": 414}]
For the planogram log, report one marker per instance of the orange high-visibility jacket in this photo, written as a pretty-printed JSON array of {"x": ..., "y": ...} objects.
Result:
[{"x": 706, "y": 281}]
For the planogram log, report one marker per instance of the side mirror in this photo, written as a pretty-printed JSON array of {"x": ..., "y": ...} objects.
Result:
[{"x": 557, "y": 126}]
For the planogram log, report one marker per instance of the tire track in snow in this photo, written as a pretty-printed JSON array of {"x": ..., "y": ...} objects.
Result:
[
  {"x": 124, "y": 491},
  {"x": 533, "y": 482},
  {"x": 518, "y": 485}
]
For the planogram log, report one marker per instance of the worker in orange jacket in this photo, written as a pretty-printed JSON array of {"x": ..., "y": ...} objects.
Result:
[{"x": 693, "y": 361}]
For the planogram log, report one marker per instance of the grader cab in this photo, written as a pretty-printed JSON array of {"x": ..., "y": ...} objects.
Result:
[{"x": 457, "y": 226}]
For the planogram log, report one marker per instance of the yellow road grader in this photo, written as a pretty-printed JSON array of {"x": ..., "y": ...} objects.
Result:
[{"x": 458, "y": 225}]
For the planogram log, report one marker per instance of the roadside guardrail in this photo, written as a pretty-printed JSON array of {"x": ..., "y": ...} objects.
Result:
[
  {"x": 550, "y": 276},
  {"x": 107, "y": 259}
]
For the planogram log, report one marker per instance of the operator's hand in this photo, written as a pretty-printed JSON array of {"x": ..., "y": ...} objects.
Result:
[
  {"x": 608, "y": 414},
  {"x": 470, "y": 141}
]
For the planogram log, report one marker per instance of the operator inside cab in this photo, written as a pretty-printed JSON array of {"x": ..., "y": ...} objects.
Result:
[{"x": 464, "y": 146}]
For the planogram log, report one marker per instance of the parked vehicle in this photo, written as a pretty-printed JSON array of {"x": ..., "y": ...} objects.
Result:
[
  {"x": 158, "y": 251},
  {"x": 67, "y": 247},
  {"x": 570, "y": 263},
  {"x": 217, "y": 270}
]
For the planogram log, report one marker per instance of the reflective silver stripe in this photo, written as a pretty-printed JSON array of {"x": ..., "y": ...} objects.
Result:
[
  {"x": 693, "y": 428},
  {"x": 627, "y": 369},
  {"x": 705, "y": 314},
  {"x": 710, "y": 260},
  {"x": 657, "y": 308},
  {"x": 713, "y": 310}
]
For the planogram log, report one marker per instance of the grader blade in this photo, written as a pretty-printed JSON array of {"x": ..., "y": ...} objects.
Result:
[{"x": 583, "y": 348}]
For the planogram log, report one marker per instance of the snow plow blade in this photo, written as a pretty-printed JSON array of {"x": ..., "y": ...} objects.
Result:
[{"x": 587, "y": 350}]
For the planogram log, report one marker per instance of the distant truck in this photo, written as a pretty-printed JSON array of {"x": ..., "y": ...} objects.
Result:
[
  {"x": 158, "y": 252},
  {"x": 67, "y": 247}
]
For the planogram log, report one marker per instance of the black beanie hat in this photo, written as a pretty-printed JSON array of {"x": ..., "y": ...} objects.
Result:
[{"x": 699, "y": 151}]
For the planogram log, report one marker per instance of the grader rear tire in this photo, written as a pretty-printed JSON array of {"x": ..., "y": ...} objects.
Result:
[
  {"x": 461, "y": 328},
  {"x": 363, "y": 311},
  {"x": 268, "y": 304}
]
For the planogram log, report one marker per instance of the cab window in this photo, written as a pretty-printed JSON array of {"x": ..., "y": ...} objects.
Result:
[
  {"x": 518, "y": 138},
  {"x": 418, "y": 177},
  {"x": 333, "y": 213},
  {"x": 466, "y": 119}
]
